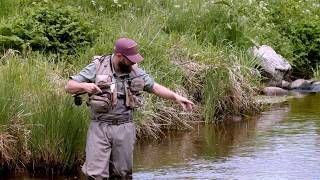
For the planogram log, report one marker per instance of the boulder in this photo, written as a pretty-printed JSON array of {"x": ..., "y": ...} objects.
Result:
[
  {"x": 274, "y": 91},
  {"x": 301, "y": 84},
  {"x": 315, "y": 87},
  {"x": 272, "y": 63},
  {"x": 285, "y": 84}
]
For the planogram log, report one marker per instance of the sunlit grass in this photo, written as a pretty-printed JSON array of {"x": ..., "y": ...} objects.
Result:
[{"x": 46, "y": 126}]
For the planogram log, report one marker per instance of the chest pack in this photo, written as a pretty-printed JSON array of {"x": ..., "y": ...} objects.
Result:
[{"x": 106, "y": 80}]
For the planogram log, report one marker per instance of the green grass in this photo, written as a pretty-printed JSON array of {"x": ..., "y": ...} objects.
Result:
[{"x": 46, "y": 125}]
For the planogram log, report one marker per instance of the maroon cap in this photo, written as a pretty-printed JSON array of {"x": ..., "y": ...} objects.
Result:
[{"x": 128, "y": 48}]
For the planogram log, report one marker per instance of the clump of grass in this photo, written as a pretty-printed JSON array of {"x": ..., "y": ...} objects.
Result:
[
  {"x": 47, "y": 131},
  {"x": 7, "y": 149},
  {"x": 230, "y": 87},
  {"x": 58, "y": 134}
]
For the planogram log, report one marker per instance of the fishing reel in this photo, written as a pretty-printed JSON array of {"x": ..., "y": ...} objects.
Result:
[{"x": 77, "y": 99}]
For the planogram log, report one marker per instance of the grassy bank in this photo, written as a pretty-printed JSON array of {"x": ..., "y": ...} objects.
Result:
[{"x": 197, "y": 48}]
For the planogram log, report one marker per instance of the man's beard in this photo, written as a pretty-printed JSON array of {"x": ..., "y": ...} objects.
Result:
[{"x": 124, "y": 68}]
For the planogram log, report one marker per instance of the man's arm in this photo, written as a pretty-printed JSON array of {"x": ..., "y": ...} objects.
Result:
[
  {"x": 75, "y": 87},
  {"x": 166, "y": 93}
]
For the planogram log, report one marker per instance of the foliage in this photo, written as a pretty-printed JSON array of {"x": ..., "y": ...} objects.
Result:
[
  {"x": 301, "y": 25},
  {"x": 211, "y": 22},
  {"x": 39, "y": 121},
  {"x": 7, "y": 6},
  {"x": 48, "y": 28},
  {"x": 230, "y": 86}
]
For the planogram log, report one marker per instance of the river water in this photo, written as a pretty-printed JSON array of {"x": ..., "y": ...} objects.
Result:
[{"x": 281, "y": 143}]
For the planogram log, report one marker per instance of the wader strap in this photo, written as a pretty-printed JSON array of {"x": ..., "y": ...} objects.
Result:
[
  {"x": 114, "y": 97},
  {"x": 113, "y": 121}
]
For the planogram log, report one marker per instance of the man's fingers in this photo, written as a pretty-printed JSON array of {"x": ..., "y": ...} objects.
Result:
[
  {"x": 98, "y": 89},
  {"x": 186, "y": 105},
  {"x": 189, "y": 106}
]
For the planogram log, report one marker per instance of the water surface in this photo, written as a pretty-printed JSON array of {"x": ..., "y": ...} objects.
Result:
[{"x": 281, "y": 143}]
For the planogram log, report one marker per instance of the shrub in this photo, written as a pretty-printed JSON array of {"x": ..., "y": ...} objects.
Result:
[
  {"x": 48, "y": 28},
  {"x": 301, "y": 25}
]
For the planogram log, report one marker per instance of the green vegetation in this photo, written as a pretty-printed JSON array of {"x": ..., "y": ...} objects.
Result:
[
  {"x": 301, "y": 26},
  {"x": 40, "y": 122},
  {"x": 197, "y": 48},
  {"x": 48, "y": 28}
]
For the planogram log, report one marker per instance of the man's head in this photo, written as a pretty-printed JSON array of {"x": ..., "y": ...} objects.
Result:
[
  {"x": 126, "y": 51},
  {"x": 129, "y": 49}
]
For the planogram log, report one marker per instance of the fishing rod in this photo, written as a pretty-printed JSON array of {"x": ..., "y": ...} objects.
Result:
[{"x": 78, "y": 99}]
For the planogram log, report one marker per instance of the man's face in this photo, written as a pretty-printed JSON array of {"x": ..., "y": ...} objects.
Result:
[{"x": 125, "y": 65}]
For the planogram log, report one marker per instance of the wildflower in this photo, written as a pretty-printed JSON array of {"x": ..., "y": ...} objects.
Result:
[{"x": 93, "y": 2}]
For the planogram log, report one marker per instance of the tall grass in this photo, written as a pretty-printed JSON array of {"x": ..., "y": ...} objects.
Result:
[
  {"x": 230, "y": 86},
  {"x": 46, "y": 127},
  {"x": 7, "y": 7}
]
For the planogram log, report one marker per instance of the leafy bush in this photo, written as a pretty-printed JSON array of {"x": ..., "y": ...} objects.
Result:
[
  {"x": 305, "y": 36},
  {"x": 48, "y": 28},
  {"x": 301, "y": 25}
]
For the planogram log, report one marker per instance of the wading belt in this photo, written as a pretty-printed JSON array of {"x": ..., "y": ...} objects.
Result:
[{"x": 114, "y": 120}]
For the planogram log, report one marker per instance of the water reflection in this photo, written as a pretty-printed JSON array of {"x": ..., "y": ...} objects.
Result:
[{"x": 282, "y": 143}]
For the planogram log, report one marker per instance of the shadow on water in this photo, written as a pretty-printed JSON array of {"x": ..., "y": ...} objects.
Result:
[{"x": 281, "y": 143}]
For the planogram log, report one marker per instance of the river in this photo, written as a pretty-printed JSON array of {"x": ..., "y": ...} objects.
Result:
[{"x": 280, "y": 143}]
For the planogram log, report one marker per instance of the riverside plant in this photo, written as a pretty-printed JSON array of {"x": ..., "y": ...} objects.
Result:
[
  {"x": 40, "y": 124},
  {"x": 229, "y": 87}
]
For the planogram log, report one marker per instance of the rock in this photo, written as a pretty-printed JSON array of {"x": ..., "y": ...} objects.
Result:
[
  {"x": 264, "y": 100},
  {"x": 301, "y": 84},
  {"x": 274, "y": 91},
  {"x": 315, "y": 87},
  {"x": 285, "y": 84},
  {"x": 272, "y": 63}
]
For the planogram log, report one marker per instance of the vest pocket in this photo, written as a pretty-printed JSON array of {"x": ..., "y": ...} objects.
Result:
[
  {"x": 100, "y": 104},
  {"x": 137, "y": 85}
]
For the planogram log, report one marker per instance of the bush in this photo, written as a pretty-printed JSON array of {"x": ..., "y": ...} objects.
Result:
[
  {"x": 48, "y": 28},
  {"x": 301, "y": 25},
  {"x": 305, "y": 36}
]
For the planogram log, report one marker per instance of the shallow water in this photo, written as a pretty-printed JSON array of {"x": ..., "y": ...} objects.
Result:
[{"x": 281, "y": 143}]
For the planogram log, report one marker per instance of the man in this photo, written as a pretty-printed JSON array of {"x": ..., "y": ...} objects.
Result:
[{"x": 114, "y": 83}]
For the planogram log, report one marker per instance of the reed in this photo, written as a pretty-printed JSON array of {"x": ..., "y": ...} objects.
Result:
[{"x": 39, "y": 123}]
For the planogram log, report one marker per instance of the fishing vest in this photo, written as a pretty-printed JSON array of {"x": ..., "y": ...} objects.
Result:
[{"x": 107, "y": 82}]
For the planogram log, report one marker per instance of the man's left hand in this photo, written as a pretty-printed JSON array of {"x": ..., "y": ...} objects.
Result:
[{"x": 184, "y": 102}]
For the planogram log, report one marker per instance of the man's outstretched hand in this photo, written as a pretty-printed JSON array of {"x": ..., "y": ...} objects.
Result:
[{"x": 184, "y": 102}]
